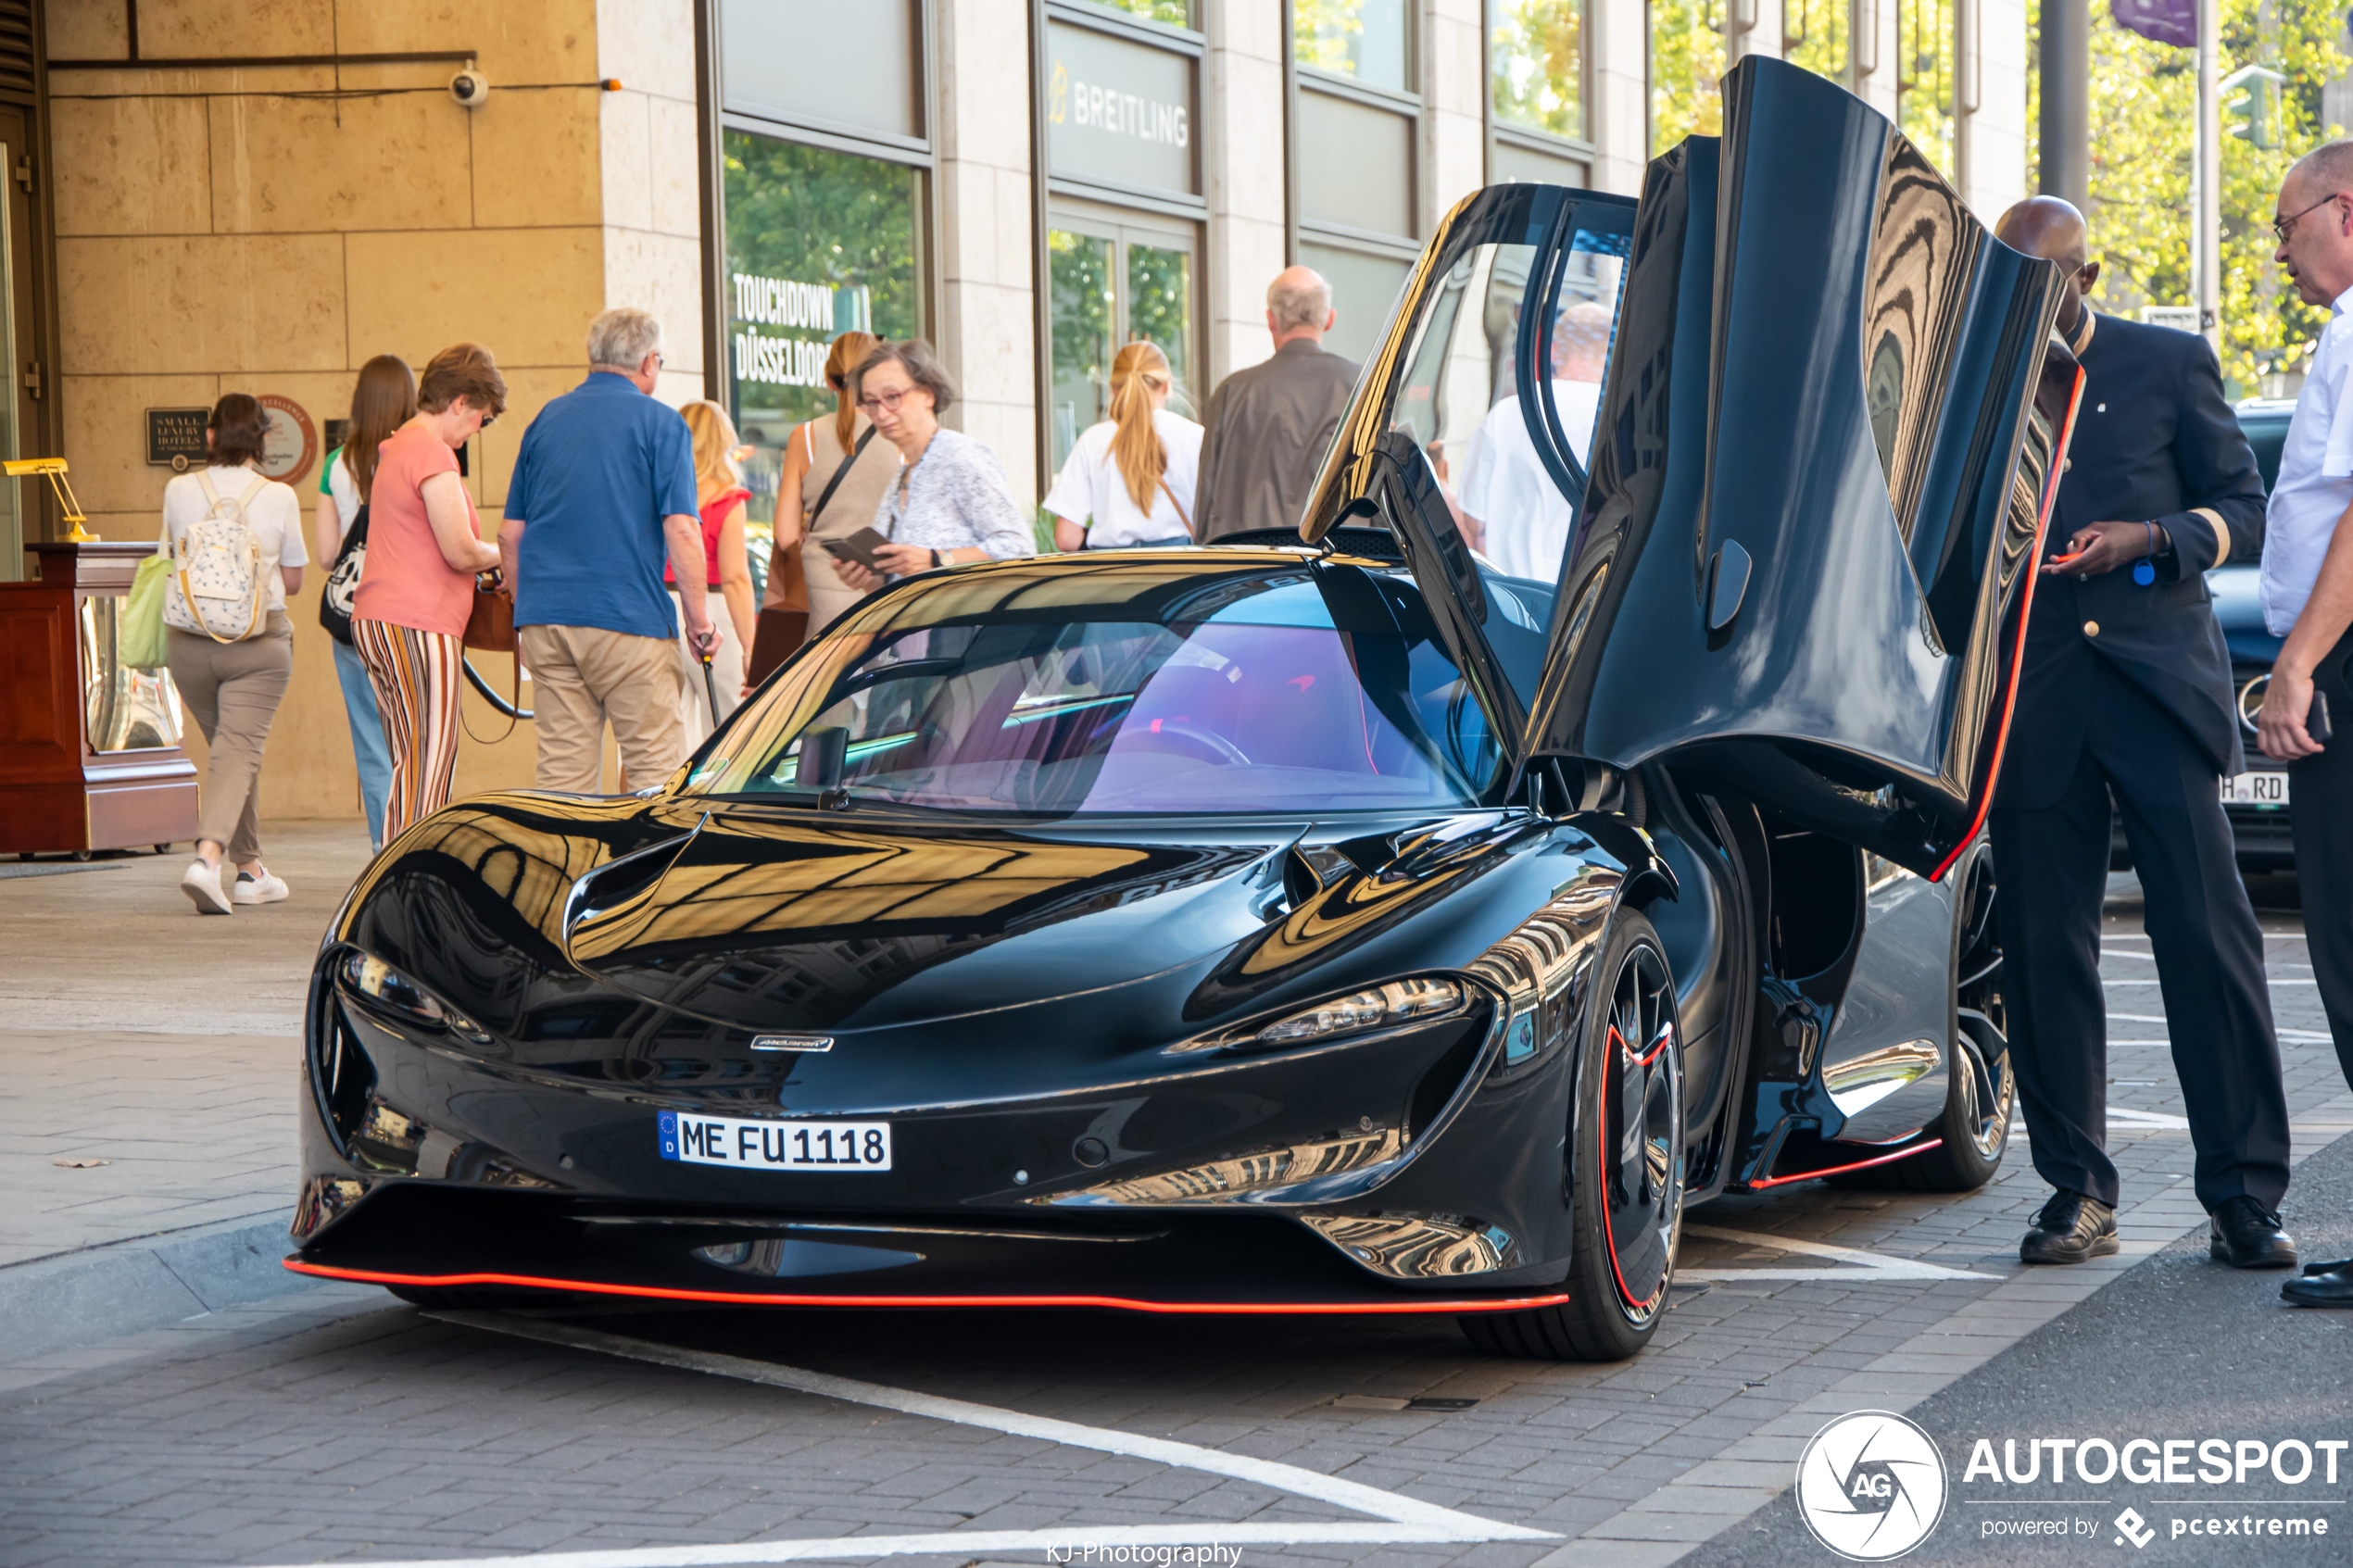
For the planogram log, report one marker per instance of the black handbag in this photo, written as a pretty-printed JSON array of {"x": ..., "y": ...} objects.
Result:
[{"x": 343, "y": 579}]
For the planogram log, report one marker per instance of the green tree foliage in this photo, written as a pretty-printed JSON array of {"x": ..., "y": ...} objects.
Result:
[
  {"x": 1538, "y": 60},
  {"x": 2144, "y": 119},
  {"x": 1687, "y": 64},
  {"x": 1175, "y": 13}
]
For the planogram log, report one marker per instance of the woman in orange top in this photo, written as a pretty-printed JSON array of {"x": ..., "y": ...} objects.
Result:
[{"x": 417, "y": 590}]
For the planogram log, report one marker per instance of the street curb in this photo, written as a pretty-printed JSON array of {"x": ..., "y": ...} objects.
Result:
[{"x": 106, "y": 1292}]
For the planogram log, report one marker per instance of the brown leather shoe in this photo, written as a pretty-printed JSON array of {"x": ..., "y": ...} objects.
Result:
[{"x": 2071, "y": 1228}]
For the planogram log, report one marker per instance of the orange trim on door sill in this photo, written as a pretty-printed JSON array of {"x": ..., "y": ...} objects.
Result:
[
  {"x": 750, "y": 1298},
  {"x": 1841, "y": 1169}
]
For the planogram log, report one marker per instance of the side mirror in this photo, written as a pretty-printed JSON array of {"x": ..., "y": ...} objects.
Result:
[{"x": 823, "y": 751}]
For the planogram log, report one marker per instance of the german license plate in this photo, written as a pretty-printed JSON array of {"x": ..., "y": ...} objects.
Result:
[
  {"x": 2255, "y": 789},
  {"x": 775, "y": 1145}
]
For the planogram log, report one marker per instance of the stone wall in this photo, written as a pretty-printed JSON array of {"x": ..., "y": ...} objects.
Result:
[{"x": 269, "y": 230}]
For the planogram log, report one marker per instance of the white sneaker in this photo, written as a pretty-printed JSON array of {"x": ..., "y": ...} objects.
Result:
[
  {"x": 202, "y": 884},
  {"x": 264, "y": 889}
]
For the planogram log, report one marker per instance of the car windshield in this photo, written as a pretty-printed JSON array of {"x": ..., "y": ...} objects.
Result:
[{"x": 1309, "y": 688}]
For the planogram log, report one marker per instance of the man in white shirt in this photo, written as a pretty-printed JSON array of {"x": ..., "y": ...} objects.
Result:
[
  {"x": 2307, "y": 598},
  {"x": 1514, "y": 512}
]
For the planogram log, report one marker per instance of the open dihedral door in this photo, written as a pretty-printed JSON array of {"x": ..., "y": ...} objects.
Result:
[
  {"x": 1825, "y": 442},
  {"x": 1829, "y": 438}
]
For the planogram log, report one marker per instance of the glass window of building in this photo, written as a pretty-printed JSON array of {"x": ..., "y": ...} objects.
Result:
[
  {"x": 1364, "y": 40},
  {"x": 823, "y": 190},
  {"x": 1355, "y": 127},
  {"x": 1536, "y": 60},
  {"x": 1122, "y": 205},
  {"x": 819, "y": 243},
  {"x": 1112, "y": 280}
]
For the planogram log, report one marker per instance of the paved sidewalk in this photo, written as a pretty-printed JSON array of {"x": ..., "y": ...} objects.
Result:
[{"x": 165, "y": 1046}]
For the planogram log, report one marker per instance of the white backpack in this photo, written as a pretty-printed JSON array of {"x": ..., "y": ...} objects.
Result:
[{"x": 217, "y": 585}]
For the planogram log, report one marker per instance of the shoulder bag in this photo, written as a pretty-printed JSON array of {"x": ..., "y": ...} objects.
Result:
[
  {"x": 343, "y": 579},
  {"x": 781, "y": 631},
  {"x": 140, "y": 642}
]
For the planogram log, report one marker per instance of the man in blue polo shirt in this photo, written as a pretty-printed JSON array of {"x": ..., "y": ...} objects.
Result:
[{"x": 603, "y": 487}]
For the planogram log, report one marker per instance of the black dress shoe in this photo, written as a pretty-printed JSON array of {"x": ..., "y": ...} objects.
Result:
[
  {"x": 2071, "y": 1228},
  {"x": 2333, "y": 1288},
  {"x": 2247, "y": 1235}
]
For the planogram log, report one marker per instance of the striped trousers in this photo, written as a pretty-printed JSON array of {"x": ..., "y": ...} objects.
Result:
[{"x": 418, "y": 682}]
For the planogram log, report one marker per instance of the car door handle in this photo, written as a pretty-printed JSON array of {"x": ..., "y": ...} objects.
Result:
[{"x": 1727, "y": 583}]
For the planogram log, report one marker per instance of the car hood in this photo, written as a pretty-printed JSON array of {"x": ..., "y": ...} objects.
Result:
[{"x": 775, "y": 920}]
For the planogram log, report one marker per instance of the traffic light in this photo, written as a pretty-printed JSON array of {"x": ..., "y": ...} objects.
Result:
[{"x": 2251, "y": 104}]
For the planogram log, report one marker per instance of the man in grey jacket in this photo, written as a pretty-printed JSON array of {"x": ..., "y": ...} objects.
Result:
[{"x": 1268, "y": 425}]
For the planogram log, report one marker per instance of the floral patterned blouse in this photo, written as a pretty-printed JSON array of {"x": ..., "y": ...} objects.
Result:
[{"x": 956, "y": 498}]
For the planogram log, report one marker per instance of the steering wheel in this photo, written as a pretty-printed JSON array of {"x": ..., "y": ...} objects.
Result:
[{"x": 1220, "y": 749}]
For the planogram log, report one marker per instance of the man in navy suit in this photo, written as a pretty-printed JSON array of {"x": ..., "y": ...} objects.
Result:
[{"x": 2125, "y": 692}]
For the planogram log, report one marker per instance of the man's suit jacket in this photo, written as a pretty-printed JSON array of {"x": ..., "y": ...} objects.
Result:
[
  {"x": 1268, "y": 427},
  {"x": 2154, "y": 441}
]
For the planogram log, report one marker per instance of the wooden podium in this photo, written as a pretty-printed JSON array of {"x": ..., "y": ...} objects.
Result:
[{"x": 90, "y": 753}]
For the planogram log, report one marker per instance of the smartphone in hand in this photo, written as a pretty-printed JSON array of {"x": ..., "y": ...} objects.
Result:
[
  {"x": 860, "y": 546},
  {"x": 2316, "y": 722}
]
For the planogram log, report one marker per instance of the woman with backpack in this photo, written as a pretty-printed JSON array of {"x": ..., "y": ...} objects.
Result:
[
  {"x": 384, "y": 399},
  {"x": 235, "y": 540}
]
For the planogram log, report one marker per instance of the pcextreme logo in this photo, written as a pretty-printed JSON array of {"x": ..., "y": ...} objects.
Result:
[{"x": 1871, "y": 1485}]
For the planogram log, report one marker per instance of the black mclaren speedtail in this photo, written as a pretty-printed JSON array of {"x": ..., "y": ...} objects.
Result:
[{"x": 1577, "y": 819}]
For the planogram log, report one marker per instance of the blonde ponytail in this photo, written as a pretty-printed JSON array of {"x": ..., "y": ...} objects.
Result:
[{"x": 1137, "y": 371}]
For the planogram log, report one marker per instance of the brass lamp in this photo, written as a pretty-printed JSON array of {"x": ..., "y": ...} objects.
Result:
[{"x": 56, "y": 469}]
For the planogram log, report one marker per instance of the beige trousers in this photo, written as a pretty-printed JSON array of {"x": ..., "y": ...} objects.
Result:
[
  {"x": 585, "y": 677},
  {"x": 234, "y": 690}
]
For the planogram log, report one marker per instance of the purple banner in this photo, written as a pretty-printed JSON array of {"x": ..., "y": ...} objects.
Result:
[{"x": 2164, "y": 21}]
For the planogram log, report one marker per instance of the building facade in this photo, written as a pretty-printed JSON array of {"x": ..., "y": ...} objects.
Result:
[{"x": 219, "y": 196}]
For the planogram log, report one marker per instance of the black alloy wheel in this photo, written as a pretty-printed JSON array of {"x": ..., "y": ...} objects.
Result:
[
  {"x": 1627, "y": 1171},
  {"x": 1981, "y": 1089}
]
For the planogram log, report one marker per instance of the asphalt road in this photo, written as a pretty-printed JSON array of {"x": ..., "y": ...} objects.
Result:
[
  {"x": 2180, "y": 1347},
  {"x": 340, "y": 1426}
]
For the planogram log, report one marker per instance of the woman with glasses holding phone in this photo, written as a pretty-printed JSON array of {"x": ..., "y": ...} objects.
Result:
[{"x": 950, "y": 504}]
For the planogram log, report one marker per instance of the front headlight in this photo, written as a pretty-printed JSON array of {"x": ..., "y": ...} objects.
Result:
[
  {"x": 1418, "y": 1000},
  {"x": 387, "y": 989}
]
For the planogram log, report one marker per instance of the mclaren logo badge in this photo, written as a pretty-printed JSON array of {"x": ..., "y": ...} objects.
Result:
[{"x": 792, "y": 1042}]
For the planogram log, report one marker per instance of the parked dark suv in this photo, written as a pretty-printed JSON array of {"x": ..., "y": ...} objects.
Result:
[{"x": 2257, "y": 800}]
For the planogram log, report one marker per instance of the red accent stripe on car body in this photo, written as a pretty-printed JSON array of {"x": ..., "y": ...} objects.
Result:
[
  {"x": 752, "y": 1298},
  {"x": 1759, "y": 1186},
  {"x": 2017, "y": 653}
]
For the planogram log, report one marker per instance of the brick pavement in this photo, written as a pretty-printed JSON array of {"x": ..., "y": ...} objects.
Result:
[
  {"x": 341, "y": 1427},
  {"x": 141, "y": 1034}
]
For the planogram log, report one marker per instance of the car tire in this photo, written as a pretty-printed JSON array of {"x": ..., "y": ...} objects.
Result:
[
  {"x": 1625, "y": 1193},
  {"x": 1982, "y": 1088}
]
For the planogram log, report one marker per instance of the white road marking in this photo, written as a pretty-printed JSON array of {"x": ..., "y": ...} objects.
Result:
[
  {"x": 1876, "y": 1263},
  {"x": 967, "y": 1544},
  {"x": 2145, "y": 1118},
  {"x": 1397, "y": 1519}
]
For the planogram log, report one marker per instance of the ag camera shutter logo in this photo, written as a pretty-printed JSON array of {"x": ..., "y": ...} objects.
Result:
[{"x": 1871, "y": 1486}]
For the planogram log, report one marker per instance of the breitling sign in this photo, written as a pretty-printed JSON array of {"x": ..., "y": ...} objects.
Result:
[{"x": 1120, "y": 110}]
